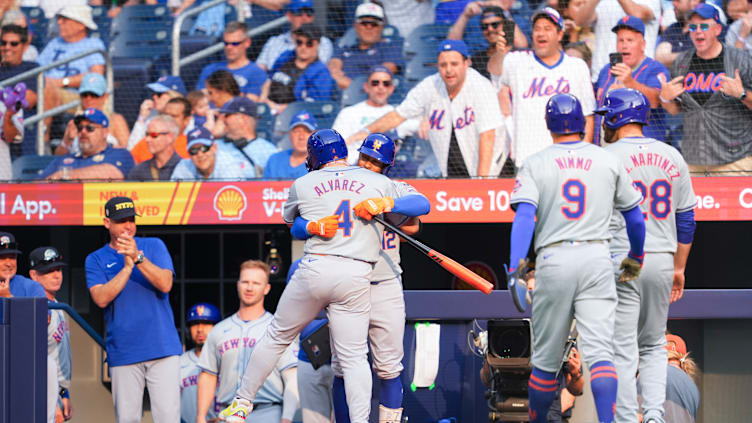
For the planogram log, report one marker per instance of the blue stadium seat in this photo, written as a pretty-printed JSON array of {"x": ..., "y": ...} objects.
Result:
[
  {"x": 349, "y": 38},
  {"x": 264, "y": 121},
  {"x": 38, "y": 26},
  {"x": 190, "y": 44},
  {"x": 420, "y": 66},
  {"x": 323, "y": 111},
  {"x": 401, "y": 87},
  {"x": 130, "y": 77},
  {"x": 142, "y": 18},
  {"x": 144, "y": 45},
  {"x": 29, "y": 167},
  {"x": 424, "y": 37},
  {"x": 354, "y": 93}
]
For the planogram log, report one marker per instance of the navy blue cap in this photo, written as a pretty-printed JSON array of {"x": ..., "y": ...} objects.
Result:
[
  {"x": 303, "y": 118},
  {"x": 94, "y": 116},
  {"x": 167, "y": 83},
  {"x": 240, "y": 104},
  {"x": 8, "y": 244},
  {"x": 706, "y": 11},
  {"x": 454, "y": 45},
  {"x": 45, "y": 259},
  {"x": 379, "y": 68},
  {"x": 551, "y": 14},
  {"x": 630, "y": 22},
  {"x": 118, "y": 208},
  {"x": 199, "y": 135}
]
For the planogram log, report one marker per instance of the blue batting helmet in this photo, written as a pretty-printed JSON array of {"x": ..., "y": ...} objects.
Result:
[
  {"x": 203, "y": 312},
  {"x": 324, "y": 146},
  {"x": 622, "y": 106},
  {"x": 380, "y": 147},
  {"x": 564, "y": 115}
]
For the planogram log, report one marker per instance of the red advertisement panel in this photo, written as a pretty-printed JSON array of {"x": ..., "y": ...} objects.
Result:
[{"x": 41, "y": 204}]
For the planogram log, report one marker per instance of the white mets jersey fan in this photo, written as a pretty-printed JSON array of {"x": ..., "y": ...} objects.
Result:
[
  {"x": 532, "y": 83},
  {"x": 473, "y": 111}
]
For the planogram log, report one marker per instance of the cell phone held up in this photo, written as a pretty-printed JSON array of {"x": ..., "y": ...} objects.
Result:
[
  {"x": 508, "y": 27},
  {"x": 615, "y": 58}
]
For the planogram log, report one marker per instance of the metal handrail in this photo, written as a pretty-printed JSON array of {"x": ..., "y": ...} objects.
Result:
[
  {"x": 39, "y": 73},
  {"x": 177, "y": 62},
  {"x": 80, "y": 320}
]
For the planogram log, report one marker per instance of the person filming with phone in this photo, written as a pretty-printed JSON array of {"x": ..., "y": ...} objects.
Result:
[{"x": 629, "y": 67}]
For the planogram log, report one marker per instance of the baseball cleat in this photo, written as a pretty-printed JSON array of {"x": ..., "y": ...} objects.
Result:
[{"x": 237, "y": 411}]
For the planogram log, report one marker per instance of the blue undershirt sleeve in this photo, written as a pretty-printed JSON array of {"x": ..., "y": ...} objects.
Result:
[
  {"x": 298, "y": 229},
  {"x": 685, "y": 226},
  {"x": 635, "y": 232},
  {"x": 412, "y": 205},
  {"x": 523, "y": 228}
]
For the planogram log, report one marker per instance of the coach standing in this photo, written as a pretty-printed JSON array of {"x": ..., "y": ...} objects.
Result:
[
  {"x": 131, "y": 279},
  {"x": 463, "y": 113}
]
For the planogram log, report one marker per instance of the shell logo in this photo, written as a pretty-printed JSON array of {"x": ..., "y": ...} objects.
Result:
[{"x": 230, "y": 203}]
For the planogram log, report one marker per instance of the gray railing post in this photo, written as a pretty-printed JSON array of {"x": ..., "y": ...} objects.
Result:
[{"x": 176, "y": 31}]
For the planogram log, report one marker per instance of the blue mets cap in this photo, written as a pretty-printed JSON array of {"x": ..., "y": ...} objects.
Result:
[
  {"x": 706, "y": 11},
  {"x": 454, "y": 45},
  {"x": 296, "y": 5},
  {"x": 630, "y": 22},
  {"x": 551, "y": 14}
]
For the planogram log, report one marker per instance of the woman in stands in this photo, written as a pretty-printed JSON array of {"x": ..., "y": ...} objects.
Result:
[{"x": 221, "y": 87}]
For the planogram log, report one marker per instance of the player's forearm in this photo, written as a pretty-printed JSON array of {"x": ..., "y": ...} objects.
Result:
[
  {"x": 103, "y": 294},
  {"x": 637, "y": 10},
  {"x": 485, "y": 152},
  {"x": 680, "y": 257},
  {"x": 635, "y": 231},
  {"x": 411, "y": 226},
  {"x": 207, "y": 385},
  {"x": 523, "y": 228},
  {"x": 158, "y": 277},
  {"x": 412, "y": 205},
  {"x": 290, "y": 399}
]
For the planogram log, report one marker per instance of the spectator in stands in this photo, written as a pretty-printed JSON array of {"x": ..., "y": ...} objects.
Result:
[
  {"x": 162, "y": 90},
  {"x": 736, "y": 9},
  {"x": 635, "y": 71},
  {"x": 379, "y": 86},
  {"x": 250, "y": 78},
  {"x": 93, "y": 94},
  {"x": 14, "y": 40},
  {"x": 241, "y": 140},
  {"x": 711, "y": 88},
  {"x": 464, "y": 115},
  {"x": 533, "y": 78},
  {"x": 492, "y": 18},
  {"x": 201, "y": 112},
  {"x": 370, "y": 49},
  {"x": 298, "y": 75},
  {"x": 16, "y": 17},
  {"x": 298, "y": 12},
  {"x": 179, "y": 109},
  {"x": 606, "y": 13},
  {"x": 46, "y": 268},
  {"x": 682, "y": 395},
  {"x": 97, "y": 159},
  {"x": 131, "y": 278},
  {"x": 290, "y": 164},
  {"x": 221, "y": 87},
  {"x": 675, "y": 38},
  {"x": 278, "y": 398},
  {"x": 581, "y": 51},
  {"x": 74, "y": 21},
  {"x": 738, "y": 34},
  {"x": 161, "y": 133},
  {"x": 572, "y": 32},
  {"x": 209, "y": 161},
  {"x": 11, "y": 283}
]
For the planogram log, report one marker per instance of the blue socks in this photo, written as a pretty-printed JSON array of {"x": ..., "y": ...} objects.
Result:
[
  {"x": 603, "y": 382},
  {"x": 390, "y": 394},
  {"x": 541, "y": 388},
  {"x": 339, "y": 398}
]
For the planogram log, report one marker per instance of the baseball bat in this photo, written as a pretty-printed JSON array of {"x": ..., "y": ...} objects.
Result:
[{"x": 451, "y": 266}]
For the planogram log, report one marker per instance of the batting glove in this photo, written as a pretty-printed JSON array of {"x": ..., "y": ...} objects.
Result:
[
  {"x": 373, "y": 206},
  {"x": 517, "y": 285},
  {"x": 325, "y": 227},
  {"x": 630, "y": 268}
]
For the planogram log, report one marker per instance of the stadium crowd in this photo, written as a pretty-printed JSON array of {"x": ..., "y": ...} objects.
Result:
[{"x": 691, "y": 59}]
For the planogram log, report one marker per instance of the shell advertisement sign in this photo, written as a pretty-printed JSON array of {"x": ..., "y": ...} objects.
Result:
[{"x": 262, "y": 202}]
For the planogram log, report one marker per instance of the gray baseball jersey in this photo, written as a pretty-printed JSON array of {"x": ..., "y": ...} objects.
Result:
[
  {"x": 189, "y": 372},
  {"x": 335, "y": 191},
  {"x": 225, "y": 354},
  {"x": 575, "y": 187},
  {"x": 661, "y": 174},
  {"x": 58, "y": 346}
]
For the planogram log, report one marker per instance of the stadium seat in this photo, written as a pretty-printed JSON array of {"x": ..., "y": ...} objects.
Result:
[
  {"x": 190, "y": 44},
  {"x": 260, "y": 16},
  {"x": 420, "y": 66},
  {"x": 424, "y": 37},
  {"x": 38, "y": 26},
  {"x": 141, "y": 18},
  {"x": 401, "y": 87},
  {"x": 130, "y": 77},
  {"x": 323, "y": 111},
  {"x": 350, "y": 38},
  {"x": 264, "y": 121},
  {"x": 354, "y": 93},
  {"x": 29, "y": 167},
  {"x": 144, "y": 45}
]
